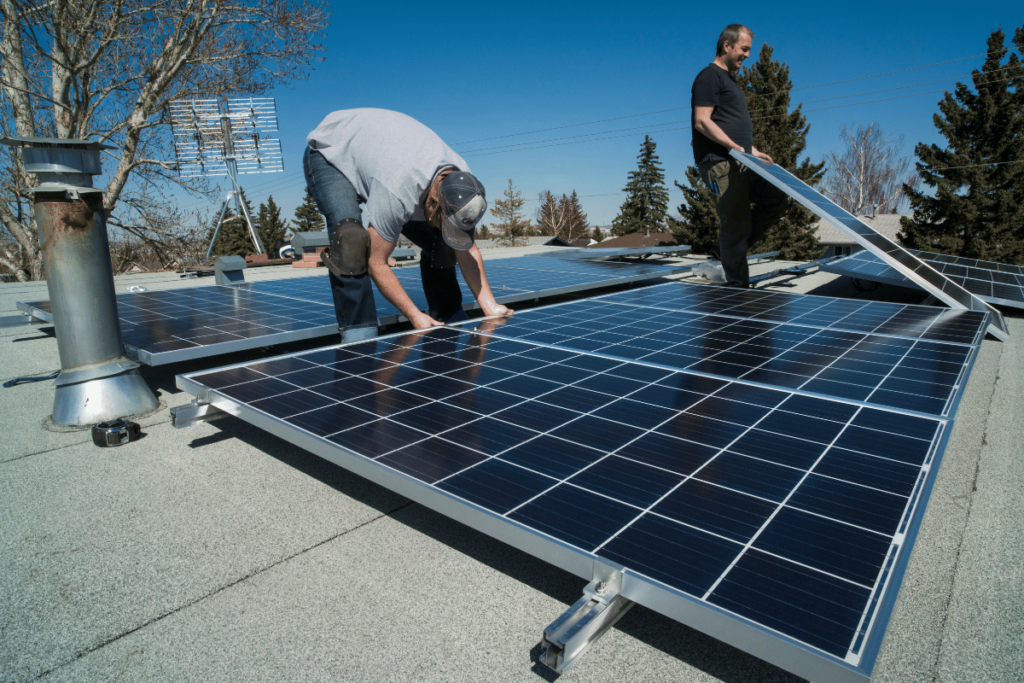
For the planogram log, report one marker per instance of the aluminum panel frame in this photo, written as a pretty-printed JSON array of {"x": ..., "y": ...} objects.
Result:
[
  {"x": 909, "y": 265},
  {"x": 761, "y": 641}
]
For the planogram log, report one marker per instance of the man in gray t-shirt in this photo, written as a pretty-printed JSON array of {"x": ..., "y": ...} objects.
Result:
[{"x": 411, "y": 184}]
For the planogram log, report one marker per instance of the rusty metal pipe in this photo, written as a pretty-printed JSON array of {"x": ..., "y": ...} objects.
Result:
[{"x": 76, "y": 255}]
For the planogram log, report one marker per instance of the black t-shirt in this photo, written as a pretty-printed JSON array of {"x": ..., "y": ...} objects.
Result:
[{"x": 715, "y": 87}]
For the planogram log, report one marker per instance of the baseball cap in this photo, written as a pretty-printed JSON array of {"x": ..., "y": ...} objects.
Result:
[{"x": 463, "y": 203}]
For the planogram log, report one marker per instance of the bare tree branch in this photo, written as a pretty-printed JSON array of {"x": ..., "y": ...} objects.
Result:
[
  {"x": 107, "y": 70},
  {"x": 869, "y": 173}
]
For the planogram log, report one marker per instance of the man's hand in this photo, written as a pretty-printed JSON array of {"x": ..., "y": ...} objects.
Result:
[
  {"x": 761, "y": 155},
  {"x": 423, "y": 321},
  {"x": 494, "y": 308}
]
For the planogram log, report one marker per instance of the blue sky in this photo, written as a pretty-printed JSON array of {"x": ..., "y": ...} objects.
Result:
[{"x": 475, "y": 72}]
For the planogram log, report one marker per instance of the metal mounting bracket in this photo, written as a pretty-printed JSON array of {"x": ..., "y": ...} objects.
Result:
[
  {"x": 23, "y": 320},
  {"x": 194, "y": 413},
  {"x": 568, "y": 636}
]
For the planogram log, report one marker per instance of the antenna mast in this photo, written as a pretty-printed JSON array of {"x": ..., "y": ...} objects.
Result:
[{"x": 214, "y": 138}]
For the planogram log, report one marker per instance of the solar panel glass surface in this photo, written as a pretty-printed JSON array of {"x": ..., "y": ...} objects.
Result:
[
  {"x": 788, "y": 511},
  {"x": 907, "y": 357},
  {"x": 894, "y": 255},
  {"x": 174, "y": 325},
  {"x": 996, "y": 283}
]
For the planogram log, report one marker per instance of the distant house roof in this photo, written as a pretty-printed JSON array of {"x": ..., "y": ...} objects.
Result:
[
  {"x": 533, "y": 241},
  {"x": 639, "y": 239},
  {"x": 886, "y": 224}
]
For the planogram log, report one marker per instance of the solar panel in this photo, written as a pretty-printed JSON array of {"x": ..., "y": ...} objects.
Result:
[
  {"x": 912, "y": 358},
  {"x": 614, "y": 252},
  {"x": 996, "y": 283},
  {"x": 892, "y": 254},
  {"x": 171, "y": 326},
  {"x": 516, "y": 279},
  {"x": 777, "y": 520},
  {"x": 176, "y": 325}
]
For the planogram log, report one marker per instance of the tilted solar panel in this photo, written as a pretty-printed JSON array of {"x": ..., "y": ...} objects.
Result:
[
  {"x": 996, "y": 283},
  {"x": 775, "y": 518},
  {"x": 892, "y": 254}
]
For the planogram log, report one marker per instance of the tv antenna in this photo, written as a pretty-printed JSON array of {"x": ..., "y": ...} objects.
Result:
[{"x": 214, "y": 138}]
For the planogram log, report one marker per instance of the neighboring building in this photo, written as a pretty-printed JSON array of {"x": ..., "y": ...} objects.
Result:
[
  {"x": 530, "y": 241},
  {"x": 639, "y": 239},
  {"x": 839, "y": 244}
]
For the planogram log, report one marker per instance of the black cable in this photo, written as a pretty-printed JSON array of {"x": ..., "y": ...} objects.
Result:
[{"x": 26, "y": 380}]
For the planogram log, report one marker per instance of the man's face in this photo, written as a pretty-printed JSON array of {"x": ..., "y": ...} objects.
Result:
[{"x": 736, "y": 52}]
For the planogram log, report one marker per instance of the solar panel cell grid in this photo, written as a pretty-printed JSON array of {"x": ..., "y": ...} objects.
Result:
[
  {"x": 998, "y": 283},
  {"x": 169, "y": 326},
  {"x": 777, "y": 506},
  {"x": 816, "y": 355}
]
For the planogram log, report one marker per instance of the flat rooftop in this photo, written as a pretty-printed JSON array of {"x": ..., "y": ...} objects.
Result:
[{"x": 222, "y": 553}]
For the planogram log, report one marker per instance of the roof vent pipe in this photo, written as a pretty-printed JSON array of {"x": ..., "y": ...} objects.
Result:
[{"x": 97, "y": 383}]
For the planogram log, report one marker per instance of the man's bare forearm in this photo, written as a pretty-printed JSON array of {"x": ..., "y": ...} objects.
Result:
[
  {"x": 471, "y": 263},
  {"x": 392, "y": 289},
  {"x": 713, "y": 132},
  {"x": 388, "y": 284}
]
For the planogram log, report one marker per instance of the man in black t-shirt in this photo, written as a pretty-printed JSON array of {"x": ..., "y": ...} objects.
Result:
[{"x": 721, "y": 122}]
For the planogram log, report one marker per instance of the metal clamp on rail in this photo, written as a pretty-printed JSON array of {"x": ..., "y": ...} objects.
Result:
[
  {"x": 568, "y": 636},
  {"x": 194, "y": 413}
]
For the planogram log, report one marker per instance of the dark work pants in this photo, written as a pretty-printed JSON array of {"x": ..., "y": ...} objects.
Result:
[
  {"x": 354, "y": 305},
  {"x": 747, "y": 206}
]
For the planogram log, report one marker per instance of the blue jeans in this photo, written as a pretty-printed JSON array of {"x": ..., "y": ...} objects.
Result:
[{"x": 337, "y": 200}]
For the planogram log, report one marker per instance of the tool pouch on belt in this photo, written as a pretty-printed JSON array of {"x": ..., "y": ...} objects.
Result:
[
  {"x": 349, "y": 253},
  {"x": 441, "y": 255}
]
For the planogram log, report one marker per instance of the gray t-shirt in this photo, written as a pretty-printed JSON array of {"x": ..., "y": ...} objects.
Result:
[{"x": 389, "y": 158}]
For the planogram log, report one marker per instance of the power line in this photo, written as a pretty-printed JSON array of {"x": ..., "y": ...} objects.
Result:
[
  {"x": 523, "y": 147},
  {"x": 663, "y": 111},
  {"x": 953, "y": 168}
]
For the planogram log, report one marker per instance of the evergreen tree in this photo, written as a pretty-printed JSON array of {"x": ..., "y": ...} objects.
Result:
[
  {"x": 782, "y": 135},
  {"x": 700, "y": 225},
  {"x": 646, "y": 204},
  {"x": 512, "y": 227},
  {"x": 482, "y": 231},
  {"x": 307, "y": 216},
  {"x": 270, "y": 226},
  {"x": 596, "y": 234},
  {"x": 978, "y": 205},
  {"x": 233, "y": 237}
]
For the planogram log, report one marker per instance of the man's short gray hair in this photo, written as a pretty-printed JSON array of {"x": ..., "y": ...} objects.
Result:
[{"x": 731, "y": 34}]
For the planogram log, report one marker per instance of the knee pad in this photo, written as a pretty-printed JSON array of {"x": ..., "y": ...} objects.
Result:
[{"x": 349, "y": 253}]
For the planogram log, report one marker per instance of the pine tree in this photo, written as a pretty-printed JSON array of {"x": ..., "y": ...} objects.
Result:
[
  {"x": 233, "y": 237},
  {"x": 700, "y": 225},
  {"x": 307, "y": 216},
  {"x": 978, "y": 205},
  {"x": 596, "y": 234},
  {"x": 575, "y": 220},
  {"x": 512, "y": 227},
  {"x": 782, "y": 135},
  {"x": 646, "y": 204},
  {"x": 270, "y": 226}
]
